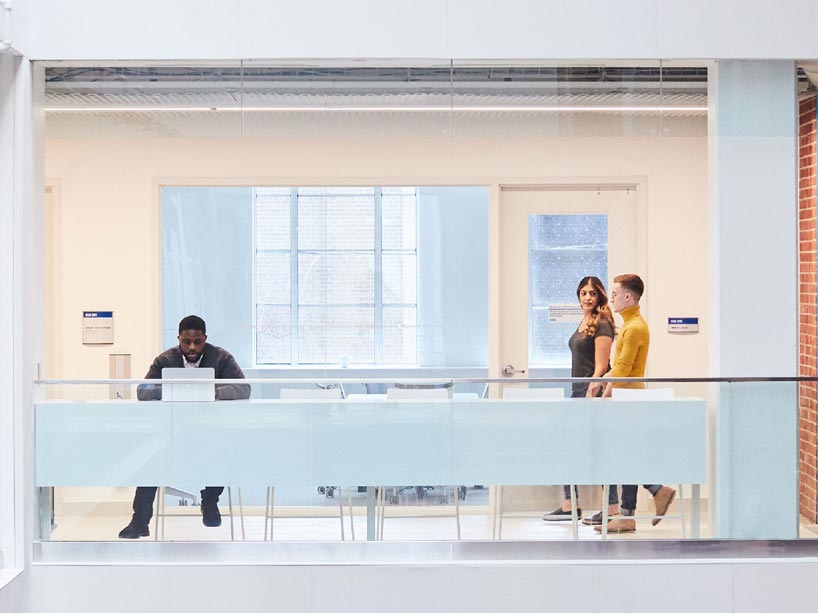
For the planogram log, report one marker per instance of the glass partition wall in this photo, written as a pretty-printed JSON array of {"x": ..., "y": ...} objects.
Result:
[
  {"x": 477, "y": 460},
  {"x": 347, "y": 228}
]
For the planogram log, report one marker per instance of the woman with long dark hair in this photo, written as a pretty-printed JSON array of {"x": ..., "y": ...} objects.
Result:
[{"x": 590, "y": 357}]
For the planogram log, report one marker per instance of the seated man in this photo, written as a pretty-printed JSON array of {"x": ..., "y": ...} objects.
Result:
[{"x": 192, "y": 352}]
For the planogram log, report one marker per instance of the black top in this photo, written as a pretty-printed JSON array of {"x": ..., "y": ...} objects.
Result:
[
  {"x": 583, "y": 350},
  {"x": 220, "y": 360}
]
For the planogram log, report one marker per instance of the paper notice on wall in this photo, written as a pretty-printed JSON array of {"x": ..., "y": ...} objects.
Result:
[
  {"x": 564, "y": 313},
  {"x": 97, "y": 327}
]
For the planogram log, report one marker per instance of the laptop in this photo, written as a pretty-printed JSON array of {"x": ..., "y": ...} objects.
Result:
[{"x": 189, "y": 392}]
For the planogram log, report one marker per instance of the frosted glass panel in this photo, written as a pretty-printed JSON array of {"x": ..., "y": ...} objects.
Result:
[
  {"x": 207, "y": 265},
  {"x": 336, "y": 222},
  {"x": 273, "y": 334},
  {"x": 555, "y": 274},
  {"x": 569, "y": 231},
  {"x": 550, "y": 339},
  {"x": 562, "y": 250},
  {"x": 327, "y": 333},
  {"x": 399, "y": 335},
  {"x": 272, "y": 218},
  {"x": 399, "y": 278},
  {"x": 336, "y": 278},
  {"x": 273, "y": 278},
  {"x": 399, "y": 218}
]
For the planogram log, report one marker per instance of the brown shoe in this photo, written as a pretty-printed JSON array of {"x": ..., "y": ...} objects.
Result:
[
  {"x": 663, "y": 498},
  {"x": 620, "y": 524}
]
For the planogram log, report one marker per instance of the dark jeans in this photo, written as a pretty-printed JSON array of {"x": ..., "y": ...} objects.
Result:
[
  {"x": 629, "y": 496},
  {"x": 144, "y": 497}
]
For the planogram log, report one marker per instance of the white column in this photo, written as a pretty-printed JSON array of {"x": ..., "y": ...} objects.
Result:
[
  {"x": 753, "y": 287},
  {"x": 7, "y": 528},
  {"x": 21, "y": 298}
]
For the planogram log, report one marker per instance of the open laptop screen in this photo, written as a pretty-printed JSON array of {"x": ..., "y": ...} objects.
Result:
[{"x": 189, "y": 392}]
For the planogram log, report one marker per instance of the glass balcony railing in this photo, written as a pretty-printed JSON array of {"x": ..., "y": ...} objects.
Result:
[{"x": 410, "y": 460}]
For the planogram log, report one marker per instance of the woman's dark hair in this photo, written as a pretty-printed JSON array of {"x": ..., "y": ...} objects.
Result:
[{"x": 601, "y": 309}]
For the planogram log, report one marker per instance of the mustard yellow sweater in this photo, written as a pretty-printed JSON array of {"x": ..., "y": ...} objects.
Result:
[{"x": 632, "y": 346}]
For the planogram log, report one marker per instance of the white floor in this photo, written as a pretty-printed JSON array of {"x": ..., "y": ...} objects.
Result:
[{"x": 400, "y": 524}]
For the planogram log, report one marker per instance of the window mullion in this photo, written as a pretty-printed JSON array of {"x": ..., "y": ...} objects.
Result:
[
  {"x": 294, "y": 276},
  {"x": 378, "y": 277}
]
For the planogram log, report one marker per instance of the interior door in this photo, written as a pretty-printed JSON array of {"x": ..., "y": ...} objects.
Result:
[{"x": 550, "y": 239}]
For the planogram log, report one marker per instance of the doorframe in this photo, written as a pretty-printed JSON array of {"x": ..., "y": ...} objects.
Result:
[{"x": 638, "y": 183}]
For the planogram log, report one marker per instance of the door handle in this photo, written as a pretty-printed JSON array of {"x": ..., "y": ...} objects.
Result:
[{"x": 510, "y": 371}]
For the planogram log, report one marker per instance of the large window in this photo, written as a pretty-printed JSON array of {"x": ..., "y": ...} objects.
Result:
[{"x": 335, "y": 275}]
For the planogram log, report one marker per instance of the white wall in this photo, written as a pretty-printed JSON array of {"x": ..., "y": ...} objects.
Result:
[
  {"x": 15, "y": 595},
  {"x": 751, "y": 586},
  {"x": 208, "y": 29},
  {"x": 107, "y": 234}
]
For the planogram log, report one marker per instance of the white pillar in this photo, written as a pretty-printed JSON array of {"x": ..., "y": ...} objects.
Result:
[
  {"x": 9, "y": 544},
  {"x": 753, "y": 289},
  {"x": 21, "y": 298}
]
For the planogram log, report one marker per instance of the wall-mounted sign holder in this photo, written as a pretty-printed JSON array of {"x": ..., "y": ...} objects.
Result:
[
  {"x": 683, "y": 325},
  {"x": 97, "y": 327}
]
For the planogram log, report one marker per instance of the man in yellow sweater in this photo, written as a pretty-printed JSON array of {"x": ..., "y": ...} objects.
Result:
[{"x": 632, "y": 346}]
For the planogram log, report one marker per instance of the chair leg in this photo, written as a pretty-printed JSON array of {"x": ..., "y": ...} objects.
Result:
[
  {"x": 351, "y": 516},
  {"x": 266, "y": 511},
  {"x": 493, "y": 511},
  {"x": 574, "y": 517},
  {"x": 457, "y": 508},
  {"x": 241, "y": 515},
  {"x": 272, "y": 509},
  {"x": 605, "y": 489},
  {"x": 230, "y": 510},
  {"x": 160, "y": 493},
  {"x": 382, "y": 505},
  {"x": 682, "y": 509},
  {"x": 499, "y": 512},
  {"x": 341, "y": 512},
  {"x": 377, "y": 513}
]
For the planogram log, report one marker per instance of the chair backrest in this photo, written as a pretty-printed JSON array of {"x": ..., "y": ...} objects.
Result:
[
  {"x": 295, "y": 393},
  {"x": 533, "y": 393},
  {"x": 397, "y": 393},
  {"x": 624, "y": 393}
]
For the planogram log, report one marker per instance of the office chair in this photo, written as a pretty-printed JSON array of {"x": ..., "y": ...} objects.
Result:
[{"x": 162, "y": 491}]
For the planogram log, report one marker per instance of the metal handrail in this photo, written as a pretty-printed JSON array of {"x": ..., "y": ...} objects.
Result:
[{"x": 441, "y": 380}]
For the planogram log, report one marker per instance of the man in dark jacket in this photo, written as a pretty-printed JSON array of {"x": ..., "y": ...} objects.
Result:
[{"x": 193, "y": 351}]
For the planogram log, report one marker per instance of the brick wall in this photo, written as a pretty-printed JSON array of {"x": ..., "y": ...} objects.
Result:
[{"x": 807, "y": 308}]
